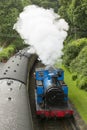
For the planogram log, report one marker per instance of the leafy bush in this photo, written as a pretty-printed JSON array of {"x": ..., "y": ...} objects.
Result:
[
  {"x": 70, "y": 52},
  {"x": 6, "y": 53},
  {"x": 72, "y": 49},
  {"x": 79, "y": 64},
  {"x": 18, "y": 44},
  {"x": 82, "y": 82},
  {"x": 75, "y": 57},
  {"x": 74, "y": 76},
  {"x": 47, "y": 4},
  {"x": 4, "y": 56}
]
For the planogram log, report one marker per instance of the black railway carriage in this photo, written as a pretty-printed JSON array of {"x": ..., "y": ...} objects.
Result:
[{"x": 15, "y": 113}]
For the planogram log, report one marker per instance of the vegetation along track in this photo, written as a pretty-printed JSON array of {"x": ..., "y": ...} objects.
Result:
[{"x": 47, "y": 124}]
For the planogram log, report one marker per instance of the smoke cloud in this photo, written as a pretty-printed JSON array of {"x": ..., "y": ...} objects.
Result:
[{"x": 44, "y": 31}]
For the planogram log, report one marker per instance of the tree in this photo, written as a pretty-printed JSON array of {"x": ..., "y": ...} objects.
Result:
[
  {"x": 26, "y": 2},
  {"x": 63, "y": 7},
  {"x": 9, "y": 12},
  {"x": 75, "y": 13},
  {"x": 47, "y": 4}
]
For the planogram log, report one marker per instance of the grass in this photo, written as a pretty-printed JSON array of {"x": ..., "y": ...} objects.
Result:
[{"x": 76, "y": 95}]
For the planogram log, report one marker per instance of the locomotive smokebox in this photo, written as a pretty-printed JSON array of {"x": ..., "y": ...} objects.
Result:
[{"x": 54, "y": 96}]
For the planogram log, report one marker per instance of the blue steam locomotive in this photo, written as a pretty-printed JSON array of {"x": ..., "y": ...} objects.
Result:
[{"x": 51, "y": 93}]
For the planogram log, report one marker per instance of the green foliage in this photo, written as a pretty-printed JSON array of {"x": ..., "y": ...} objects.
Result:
[
  {"x": 79, "y": 65},
  {"x": 47, "y": 4},
  {"x": 9, "y": 11},
  {"x": 75, "y": 58},
  {"x": 82, "y": 82},
  {"x": 72, "y": 49},
  {"x": 3, "y": 56},
  {"x": 74, "y": 76},
  {"x": 6, "y": 53},
  {"x": 80, "y": 62},
  {"x": 80, "y": 15},
  {"x": 71, "y": 10},
  {"x": 18, "y": 44},
  {"x": 75, "y": 52},
  {"x": 70, "y": 52},
  {"x": 64, "y": 5},
  {"x": 75, "y": 12},
  {"x": 26, "y": 2}
]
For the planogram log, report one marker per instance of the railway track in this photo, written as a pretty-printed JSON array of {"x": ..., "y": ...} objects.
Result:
[{"x": 47, "y": 124}]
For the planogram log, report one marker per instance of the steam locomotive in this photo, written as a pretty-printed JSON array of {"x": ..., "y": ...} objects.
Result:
[
  {"x": 51, "y": 93},
  {"x": 15, "y": 112}
]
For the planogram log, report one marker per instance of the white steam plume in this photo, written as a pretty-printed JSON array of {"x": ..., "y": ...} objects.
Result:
[{"x": 44, "y": 30}]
